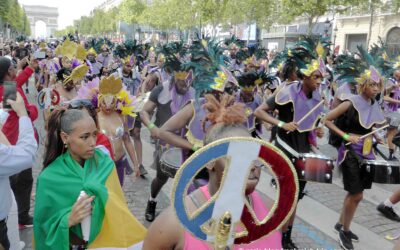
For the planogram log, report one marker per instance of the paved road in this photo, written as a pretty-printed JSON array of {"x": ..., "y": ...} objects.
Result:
[{"x": 316, "y": 215}]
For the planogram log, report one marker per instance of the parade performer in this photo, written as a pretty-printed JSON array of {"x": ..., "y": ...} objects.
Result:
[
  {"x": 105, "y": 58},
  {"x": 248, "y": 95},
  {"x": 63, "y": 91},
  {"x": 114, "y": 104},
  {"x": 95, "y": 66},
  {"x": 131, "y": 79},
  {"x": 363, "y": 113},
  {"x": 67, "y": 82},
  {"x": 167, "y": 232},
  {"x": 129, "y": 75},
  {"x": 391, "y": 106},
  {"x": 86, "y": 207},
  {"x": 347, "y": 68},
  {"x": 211, "y": 76},
  {"x": 168, "y": 98},
  {"x": 293, "y": 102}
]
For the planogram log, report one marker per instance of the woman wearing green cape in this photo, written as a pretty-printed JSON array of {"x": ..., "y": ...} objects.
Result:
[{"x": 71, "y": 165}]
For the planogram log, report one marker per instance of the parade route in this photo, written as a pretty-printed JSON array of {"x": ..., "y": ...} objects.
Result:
[{"x": 317, "y": 212}]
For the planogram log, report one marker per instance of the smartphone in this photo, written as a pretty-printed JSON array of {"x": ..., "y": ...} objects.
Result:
[
  {"x": 9, "y": 93},
  {"x": 39, "y": 55}
]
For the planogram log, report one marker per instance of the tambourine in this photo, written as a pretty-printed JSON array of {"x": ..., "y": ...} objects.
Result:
[
  {"x": 229, "y": 203},
  {"x": 47, "y": 97}
]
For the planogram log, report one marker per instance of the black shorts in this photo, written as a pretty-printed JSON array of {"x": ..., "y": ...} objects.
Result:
[
  {"x": 4, "y": 242},
  {"x": 355, "y": 177},
  {"x": 138, "y": 121},
  {"x": 159, "y": 173},
  {"x": 302, "y": 184}
]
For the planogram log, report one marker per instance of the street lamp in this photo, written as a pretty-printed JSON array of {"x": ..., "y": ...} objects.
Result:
[
  {"x": 335, "y": 30},
  {"x": 327, "y": 24}
]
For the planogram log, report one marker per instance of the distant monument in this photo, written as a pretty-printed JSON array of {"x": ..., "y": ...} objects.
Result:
[{"x": 43, "y": 14}]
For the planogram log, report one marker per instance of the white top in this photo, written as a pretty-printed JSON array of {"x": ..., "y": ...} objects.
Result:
[{"x": 14, "y": 159}]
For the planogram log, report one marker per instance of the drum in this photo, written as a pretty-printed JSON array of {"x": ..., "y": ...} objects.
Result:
[
  {"x": 313, "y": 167},
  {"x": 382, "y": 171},
  {"x": 170, "y": 161}
]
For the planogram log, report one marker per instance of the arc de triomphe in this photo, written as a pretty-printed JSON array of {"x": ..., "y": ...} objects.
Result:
[{"x": 49, "y": 15}]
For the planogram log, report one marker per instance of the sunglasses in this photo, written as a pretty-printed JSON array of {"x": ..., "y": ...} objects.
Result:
[{"x": 78, "y": 104}]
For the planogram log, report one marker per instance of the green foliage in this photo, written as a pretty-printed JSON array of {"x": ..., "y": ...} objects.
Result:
[
  {"x": 12, "y": 13},
  {"x": 130, "y": 10},
  {"x": 187, "y": 14},
  {"x": 4, "y": 9},
  {"x": 263, "y": 12},
  {"x": 312, "y": 9}
]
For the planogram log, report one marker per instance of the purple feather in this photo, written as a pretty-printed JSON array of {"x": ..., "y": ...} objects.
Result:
[{"x": 374, "y": 74}]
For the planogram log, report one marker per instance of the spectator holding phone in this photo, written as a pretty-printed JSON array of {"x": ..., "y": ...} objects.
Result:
[
  {"x": 13, "y": 159},
  {"x": 21, "y": 183}
]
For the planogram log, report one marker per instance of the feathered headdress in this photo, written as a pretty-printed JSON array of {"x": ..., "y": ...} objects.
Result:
[
  {"x": 316, "y": 64},
  {"x": 91, "y": 51},
  {"x": 301, "y": 54},
  {"x": 77, "y": 74},
  {"x": 20, "y": 38},
  {"x": 71, "y": 50},
  {"x": 249, "y": 80},
  {"x": 234, "y": 41},
  {"x": 127, "y": 49},
  {"x": 176, "y": 61},
  {"x": 99, "y": 43},
  {"x": 378, "y": 60},
  {"x": 112, "y": 92},
  {"x": 210, "y": 70},
  {"x": 348, "y": 68}
]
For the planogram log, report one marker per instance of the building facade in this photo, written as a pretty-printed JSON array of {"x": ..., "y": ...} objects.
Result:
[{"x": 353, "y": 30}]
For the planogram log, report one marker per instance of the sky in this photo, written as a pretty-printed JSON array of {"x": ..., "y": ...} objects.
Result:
[{"x": 68, "y": 10}]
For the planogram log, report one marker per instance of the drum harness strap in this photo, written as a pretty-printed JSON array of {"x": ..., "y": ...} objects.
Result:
[
  {"x": 293, "y": 152},
  {"x": 288, "y": 148}
]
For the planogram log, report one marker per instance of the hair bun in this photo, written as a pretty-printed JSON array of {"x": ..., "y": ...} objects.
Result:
[{"x": 224, "y": 111}]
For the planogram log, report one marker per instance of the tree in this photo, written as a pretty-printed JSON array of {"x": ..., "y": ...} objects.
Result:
[
  {"x": 312, "y": 9},
  {"x": 130, "y": 10},
  {"x": 4, "y": 9}
]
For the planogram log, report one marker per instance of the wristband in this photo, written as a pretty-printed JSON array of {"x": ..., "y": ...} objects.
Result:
[
  {"x": 346, "y": 137},
  {"x": 195, "y": 148},
  {"x": 280, "y": 124},
  {"x": 151, "y": 125}
]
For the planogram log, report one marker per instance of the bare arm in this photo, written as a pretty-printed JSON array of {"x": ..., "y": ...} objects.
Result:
[
  {"x": 3, "y": 139},
  {"x": 389, "y": 99},
  {"x": 175, "y": 123},
  {"x": 336, "y": 113},
  {"x": 148, "y": 108},
  {"x": 262, "y": 114},
  {"x": 164, "y": 233}
]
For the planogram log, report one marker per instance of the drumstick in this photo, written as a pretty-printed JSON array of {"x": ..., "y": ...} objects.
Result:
[
  {"x": 370, "y": 133},
  {"x": 309, "y": 113}
]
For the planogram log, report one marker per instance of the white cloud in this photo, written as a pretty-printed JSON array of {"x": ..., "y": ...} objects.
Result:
[{"x": 68, "y": 10}]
